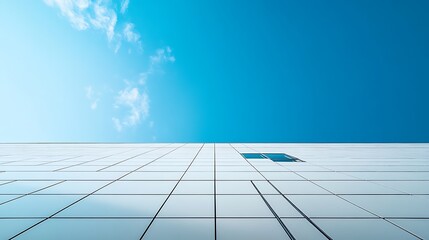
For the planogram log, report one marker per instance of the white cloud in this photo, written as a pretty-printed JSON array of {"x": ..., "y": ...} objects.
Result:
[
  {"x": 124, "y": 5},
  {"x": 92, "y": 96},
  {"x": 89, "y": 92},
  {"x": 134, "y": 98},
  {"x": 99, "y": 15},
  {"x": 129, "y": 33},
  {"x": 117, "y": 123},
  {"x": 94, "y": 105},
  {"x": 136, "y": 103},
  {"x": 82, "y": 4},
  {"x": 162, "y": 55},
  {"x": 104, "y": 18},
  {"x": 102, "y": 15},
  {"x": 143, "y": 78},
  {"x": 84, "y": 14},
  {"x": 73, "y": 10}
]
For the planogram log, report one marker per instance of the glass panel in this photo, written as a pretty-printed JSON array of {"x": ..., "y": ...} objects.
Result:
[
  {"x": 87, "y": 229},
  {"x": 154, "y": 176},
  {"x": 194, "y": 187},
  {"x": 11, "y": 227},
  {"x": 74, "y": 187},
  {"x": 238, "y": 176},
  {"x": 410, "y": 187},
  {"x": 303, "y": 229},
  {"x": 355, "y": 187},
  {"x": 327, "y": 206},
  {"x": 281, "y": 206},
  {"x": 314, "y": 176},
  {"x": 4, "y": 182},
  {"x": 241, "y": 206},
  {"x": 250, "y": 229},
  {"x": 154, "y": 168},
  {"x": 234, "y": 168},
  {"x": 196, "y": 168},
  {"x": 282, "y": 176},
  {"x": 5, "y": 198},
  {"x": 198, "y": 176},
  {"x": 391, "y": 205},
  {"x": 115, "y": 206},
  {"x": 265, "y": 187},
  {"x": 416, "y": 226},
  {"x": 391, "y": 175},
  {"x": 36, "y": 205},
  {"x": 139, "y": 187},
  {"x": 298, "y": 187},
  {"x": 118, "y": 168},
  {"x": 188, "y": 206},
  {"x": 358, "y": 229},
  {"x": 83, "y": 169},
  {"x": 60, "y": 175},
  {"x": 235, "y": 187},
  {"x": 181, "y": 229},
  {"x": 24, "y": 187}
]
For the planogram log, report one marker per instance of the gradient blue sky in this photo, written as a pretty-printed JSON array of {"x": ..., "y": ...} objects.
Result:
[{"x": 214, "y": 71}]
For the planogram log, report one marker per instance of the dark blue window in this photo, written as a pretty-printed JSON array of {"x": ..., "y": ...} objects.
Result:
[
  {"x": 280, "y": 157},
  {"x": 275, "y": 157},
  {"x": 252, "y": 155}
]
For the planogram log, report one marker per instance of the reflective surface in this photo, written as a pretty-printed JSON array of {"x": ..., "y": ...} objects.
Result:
[{"x": 210, "y": 191}]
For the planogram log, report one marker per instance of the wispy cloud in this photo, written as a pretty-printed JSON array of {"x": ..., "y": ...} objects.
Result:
[
  {"x": 130, "y": 34},
  {"x": 92, "y": 96},
  {"x": 99, "y": 15},
  {"x": 134, "y": 98},
  {"x": 124, "y": 5},
  {"x": 136, "y": 102},
  {"x": 117, "y": 123},
  {"x": 162, "y": 55},
  {"x": 132, "y": 103}
]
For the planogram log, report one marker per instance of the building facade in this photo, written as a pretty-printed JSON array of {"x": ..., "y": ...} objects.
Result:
[{"x": 214, "y": 191}]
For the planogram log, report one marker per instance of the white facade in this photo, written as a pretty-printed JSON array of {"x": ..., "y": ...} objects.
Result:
[{"x": 209, "y": 191}]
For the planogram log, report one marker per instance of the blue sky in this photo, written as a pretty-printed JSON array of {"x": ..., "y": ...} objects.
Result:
[{"x": 214, "y": 71}]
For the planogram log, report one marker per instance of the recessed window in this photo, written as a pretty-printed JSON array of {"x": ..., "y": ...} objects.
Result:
[
  {"x": 275, "y": 157},
  {"x": 253, "y": 155},
  {"x": 280, "y": 157}
]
